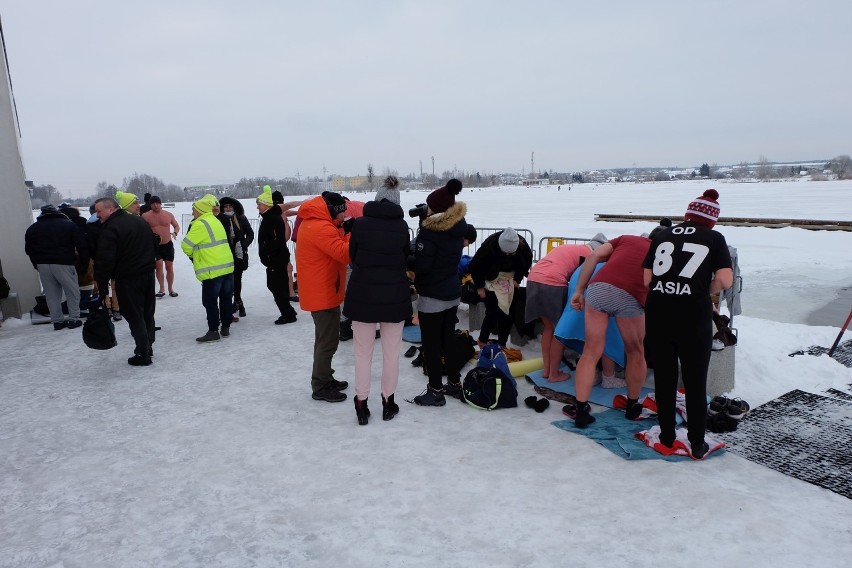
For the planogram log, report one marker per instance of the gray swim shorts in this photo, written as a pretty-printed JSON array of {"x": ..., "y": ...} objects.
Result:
[{"x": 612, "y": 301}]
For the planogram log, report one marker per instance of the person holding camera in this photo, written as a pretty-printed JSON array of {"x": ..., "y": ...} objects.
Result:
[
  {"x": 322, "y": 256},
  {"x": 437, "y": 251}
]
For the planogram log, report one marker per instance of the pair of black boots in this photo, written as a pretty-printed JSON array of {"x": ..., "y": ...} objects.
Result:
[{"x": 389, "y": 410}]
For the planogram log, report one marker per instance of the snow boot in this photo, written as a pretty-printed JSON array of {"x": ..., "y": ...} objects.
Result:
[
  {"x": 361, "y": 411},
  {"x": 389, "y": 408}
]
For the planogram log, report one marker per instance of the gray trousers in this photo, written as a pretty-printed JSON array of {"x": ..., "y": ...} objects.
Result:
[
  {"x": 55, "y": 279},
  {"x": 326, "y": 340}
]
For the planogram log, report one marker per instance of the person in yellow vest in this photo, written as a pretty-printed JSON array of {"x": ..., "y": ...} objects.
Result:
[{"x": 206, "y": 244}]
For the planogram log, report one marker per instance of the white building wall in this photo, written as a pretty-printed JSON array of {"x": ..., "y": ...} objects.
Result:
[{"x": 16, "y": 211}]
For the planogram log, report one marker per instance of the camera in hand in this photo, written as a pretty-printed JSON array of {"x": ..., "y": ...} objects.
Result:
[{"x": 420, "y": 210}]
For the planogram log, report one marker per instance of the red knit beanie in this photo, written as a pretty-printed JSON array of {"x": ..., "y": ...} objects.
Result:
[
  {"x": 704, "y": 210},
  {"x": 444, "y": 197}
]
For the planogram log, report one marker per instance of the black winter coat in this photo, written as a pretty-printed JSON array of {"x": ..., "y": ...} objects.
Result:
[
  {"x": 243, "y": 233},
  {"x": 379, "y": 245},
  {"x": 55, "y": 239},
  {"x": 437, "y": 252},
  {"x": 125, "y": 248},
  {"x": 272, "y": 240},
  {"x": 489, "y": 261}
]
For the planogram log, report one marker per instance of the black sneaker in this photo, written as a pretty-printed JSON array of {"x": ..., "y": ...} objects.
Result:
[
  {"x": 737, "y": 408},
  {"x": 60, "y": 325},
  {"x": 226, "y": 331},
  {"x": 73, "y": 324},
  {"x": 453, "y": 389},
  {"x": 284, "y": 320},
  {"x": 211, "y": 335},
  {"x": 139, "y": 361},
  {"x": 329, "y": 394},
  {"x": 338, "y": 385},
  {"x": 431, "y": 397},
  {"x": 718, "y": 404}
]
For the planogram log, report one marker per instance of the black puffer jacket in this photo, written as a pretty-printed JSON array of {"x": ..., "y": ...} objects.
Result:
[
  {"x": 55, "y": 239},
  {"x": 125, "y": 248},
  {"x": 489, "y": 261},
  {"x": 272, "y": 240},
  {"x": 379, "y": 245},
  {"x": 437, "y": 251},
  {"x": 243, "y": 233}
]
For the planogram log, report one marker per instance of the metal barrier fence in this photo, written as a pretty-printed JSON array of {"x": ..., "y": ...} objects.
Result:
[{"x": 547, "y": 244}]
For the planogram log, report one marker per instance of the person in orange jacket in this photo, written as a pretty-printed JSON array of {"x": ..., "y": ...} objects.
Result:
[{"x": 322, "y": 256}]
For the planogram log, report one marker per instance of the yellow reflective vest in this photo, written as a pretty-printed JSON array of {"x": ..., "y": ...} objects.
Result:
[{"x": 206, "y": 243}]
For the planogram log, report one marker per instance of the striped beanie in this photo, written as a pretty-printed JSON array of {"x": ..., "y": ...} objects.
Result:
[{"x": 704, "y": 210}]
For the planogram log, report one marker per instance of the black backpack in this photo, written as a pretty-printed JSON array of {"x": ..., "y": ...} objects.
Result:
[
  {"x": 99, "y": 331},
  {"x": 488, "y": 388}
]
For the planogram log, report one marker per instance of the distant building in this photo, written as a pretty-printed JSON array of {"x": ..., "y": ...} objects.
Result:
[{"x": 532, "y": 182}]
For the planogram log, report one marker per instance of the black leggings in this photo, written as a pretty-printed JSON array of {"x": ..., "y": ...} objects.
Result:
[
  {"x": 684, "y": 335},
  {"x": 494, "y": 317},
  {"x": 436, "y": 331}
]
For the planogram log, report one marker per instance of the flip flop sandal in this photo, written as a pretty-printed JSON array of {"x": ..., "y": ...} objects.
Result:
[
  {"x": 173, "y": 294},
  {"x": 160, "y": 294}
]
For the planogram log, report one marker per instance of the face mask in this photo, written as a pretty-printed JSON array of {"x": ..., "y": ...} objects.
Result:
[{"x": 229, "y": 213}]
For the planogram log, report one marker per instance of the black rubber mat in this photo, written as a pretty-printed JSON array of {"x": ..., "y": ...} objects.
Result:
[
  {"x": 802, "y": 435},
  {"x": 843, "y": 353}
]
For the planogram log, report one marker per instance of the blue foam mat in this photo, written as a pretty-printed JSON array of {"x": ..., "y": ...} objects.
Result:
[
  {"x": 615, "y": 433},
  {"x": 599, "y": 395},
  {"x": 411, "y": 334}
]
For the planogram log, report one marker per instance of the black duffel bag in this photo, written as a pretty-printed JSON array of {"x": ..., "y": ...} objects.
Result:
[{"x": 99, "y": 331}]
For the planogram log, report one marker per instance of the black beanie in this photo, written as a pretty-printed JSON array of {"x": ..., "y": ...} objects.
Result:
[{"x": 336, "y": 203}]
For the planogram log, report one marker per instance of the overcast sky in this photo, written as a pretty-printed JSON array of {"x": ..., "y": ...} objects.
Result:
[{"x": 198, "y": 92}]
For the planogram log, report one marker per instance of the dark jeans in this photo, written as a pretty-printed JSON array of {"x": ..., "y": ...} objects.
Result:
[
  {"x": 137, "y": 308},
  {"x": 684, "y": 336},
  {"x": 494, "y": 317},
  {"x": 217, "y": 295},
  {"x": 326, "y": 340},
  {"x": 436, "y": 331},
  {"x": 279, "y": 285}
]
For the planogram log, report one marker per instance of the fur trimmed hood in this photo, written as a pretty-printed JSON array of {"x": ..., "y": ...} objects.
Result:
[
  {"x": 442, "y": 222},
  {"x": 238, "y": 207}
]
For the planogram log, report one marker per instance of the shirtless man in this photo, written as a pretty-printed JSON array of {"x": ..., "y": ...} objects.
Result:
[{"x": 166, "y": 226}]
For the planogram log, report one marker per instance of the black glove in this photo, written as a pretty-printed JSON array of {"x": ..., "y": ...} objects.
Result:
[{"x": 347, "y": 225}]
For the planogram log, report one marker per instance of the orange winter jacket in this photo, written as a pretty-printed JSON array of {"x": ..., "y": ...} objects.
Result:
[{"x": 321, "y": 258}]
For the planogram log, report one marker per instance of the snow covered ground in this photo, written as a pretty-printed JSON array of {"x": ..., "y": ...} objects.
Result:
[{"x": 216, "y": 455}]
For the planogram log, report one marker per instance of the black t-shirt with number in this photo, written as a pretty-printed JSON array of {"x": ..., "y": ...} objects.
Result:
[{"x": 683, "y": 260}]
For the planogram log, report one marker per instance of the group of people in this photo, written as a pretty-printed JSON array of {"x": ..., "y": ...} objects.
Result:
[
  {"x": 358, "y": 261},
  {"x": 658, "y": 289}
]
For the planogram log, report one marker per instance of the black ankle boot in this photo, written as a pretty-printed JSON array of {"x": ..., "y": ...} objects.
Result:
[
  {"x": 583, "y": 417},
  {"x": 389, "y": 408},
  {"x": 361, "y": 411},
  {"x": 634, "y": 409}
]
